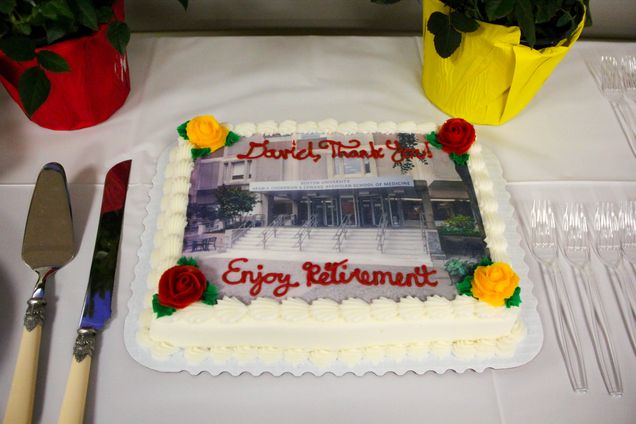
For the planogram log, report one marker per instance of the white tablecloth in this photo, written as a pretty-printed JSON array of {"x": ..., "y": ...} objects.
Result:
[{"x": 566, "y": 143}]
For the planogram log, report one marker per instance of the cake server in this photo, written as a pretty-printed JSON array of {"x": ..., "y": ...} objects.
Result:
[
  {"x": 48, "y": 245},
  {"x": 99, "y": 294}
]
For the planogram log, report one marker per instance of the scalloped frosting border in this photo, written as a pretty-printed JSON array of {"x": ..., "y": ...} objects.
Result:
[{"x": 167, "y": 249}]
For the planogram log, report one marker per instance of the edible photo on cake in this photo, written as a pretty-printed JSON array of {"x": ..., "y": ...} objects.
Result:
[{"x": 363, "y": 215}]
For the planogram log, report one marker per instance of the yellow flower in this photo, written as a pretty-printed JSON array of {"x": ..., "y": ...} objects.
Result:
[
  {"x": 205, "y": 131},
  {"x": 495, "y": 283}
]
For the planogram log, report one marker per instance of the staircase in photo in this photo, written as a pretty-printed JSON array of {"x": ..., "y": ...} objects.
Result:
[{"x": 344, "y": 240}]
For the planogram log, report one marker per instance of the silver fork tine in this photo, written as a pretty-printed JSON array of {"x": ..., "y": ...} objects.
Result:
[
  {"x": 576, "y": 250},
  {"x": 543, "y": 246}
]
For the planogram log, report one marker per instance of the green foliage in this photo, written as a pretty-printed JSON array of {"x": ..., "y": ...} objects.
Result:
[
  {"x": 119, "y": 35},
  {"x": 459, "y": 267},
  {"x": 231, "y": 138},
  {"x": 233, "y": 201},
  {"x": 406, "y": 141},
  {"x": 465, "y": 286},
  {"x": 200, "y": 153},
  {"x": 52, "y": 61},
  {"x": 210, "y": 295},
  {"x": 459, "y": 225},
  {"x": 187, "y": 261},
  {"x": 34, "y": 87},
  {"x": 543, "y": 23},
  {"x": 515, "y": 299},
  {"x": 159, "y": 309},
  {"x": 184, "y": 3},
  {"x": 181, "y": 129}
]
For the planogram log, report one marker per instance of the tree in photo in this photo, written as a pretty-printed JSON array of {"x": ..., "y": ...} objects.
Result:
[{"x": 233, "y": 201}]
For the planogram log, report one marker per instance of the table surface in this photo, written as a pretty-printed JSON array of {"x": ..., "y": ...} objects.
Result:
[{"x": 566, "y": 144}]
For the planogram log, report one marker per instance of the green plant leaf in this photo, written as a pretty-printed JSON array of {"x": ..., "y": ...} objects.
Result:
[
  {"x": 54, "y": 33},
  {"x": 565, "y": 20},
  {"x": 56, "y": 8},
  {"x": 34, "y": 88},
  {"x": 184, "y": 260},
  {"x": 6, "y": 6},
  {"x": 438, "y": 23},
  {"x": 515, "y": 299},
  {"x": 546, "y": 10},
  {"x": 446, "y": 43},
  {"x": 184, "y": 3},
  {"x": 200, "y": 153},
  {"x": 446, "y": 38},
  {"x": 104, "y": 14},
  {"x": 231, "y": 138},
  {"x": 159, "y": 309},
  {"x": 465, "y": 286},
  {"x": 525, "y": 19},
  {"x": 52, "y": 61},
  {"x": 18, "y": 48},
  {"x": 497, "y": 9},
  {"x": 119, "y": 35},
  {"x": 87, "y": 15},
  {"x": 463, "y": 23},
  {"x": 210, "y": 295}
]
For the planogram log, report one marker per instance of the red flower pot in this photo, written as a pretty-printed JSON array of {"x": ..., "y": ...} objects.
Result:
[{"x": 95, "y": 87}]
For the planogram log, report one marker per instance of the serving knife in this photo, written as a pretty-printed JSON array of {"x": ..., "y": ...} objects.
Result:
[
  {"x": 99, "y": 294},
  {"x": 48, "y": 245}
]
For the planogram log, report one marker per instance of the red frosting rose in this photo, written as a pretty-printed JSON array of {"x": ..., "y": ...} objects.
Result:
[
  {"x": 180, "y": 286},
  {"x": 456, "y": 136}
]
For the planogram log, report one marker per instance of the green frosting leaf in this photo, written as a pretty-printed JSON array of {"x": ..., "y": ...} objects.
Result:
[
  {"x": 432, "y": 139},
  {"x": 199, "y": 153},
  {"x": 181, "y": 129},
  {"x": 159, "y": 309},
  {"x": 231, "y": 138},
  {"x": 187, "y": 261},
  {"x": 460, "y": 159},
  {"x": 210, "y": 295},
  {"x": 465, "y": 286},
  {"x": 486, "y": 261},
  {"x": 515, "y": 299}
]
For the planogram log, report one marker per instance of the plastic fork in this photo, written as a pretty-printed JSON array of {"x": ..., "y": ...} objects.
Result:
[
  {"x": 628, "y": 76},
  {"x": 576, "y": 249},
  {"x": 627, "y": 223},
  {"x": 544, "y": 248},
  {"x": 607, "y": 246},
  {"x": 612, "y": 88}
]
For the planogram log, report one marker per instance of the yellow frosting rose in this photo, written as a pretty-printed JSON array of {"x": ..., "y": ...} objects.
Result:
[
  {"x": 495, "y": 283},
  {"x": 205, "y": 131}
]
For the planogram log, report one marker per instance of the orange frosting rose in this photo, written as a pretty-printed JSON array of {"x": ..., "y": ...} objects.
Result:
[
  {"x": 205, "y": 131},
  {"x": 495, "y": 283}
]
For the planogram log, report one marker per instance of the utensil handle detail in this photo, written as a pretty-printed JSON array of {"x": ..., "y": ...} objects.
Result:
[
  {"x": 568, "y": 335},
  {"x": 601, "y": 338},
  {"x": 74, "y": 403},
  {"x": 20, "y": 405}
]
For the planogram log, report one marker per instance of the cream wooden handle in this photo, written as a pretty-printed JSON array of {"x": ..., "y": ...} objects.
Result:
[
  {"x": 20, "y": 405},
  {"x": 72, "y": 411}
]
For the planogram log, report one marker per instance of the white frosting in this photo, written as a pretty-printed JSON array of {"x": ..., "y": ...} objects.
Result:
[{"x": 324, "y": 331}]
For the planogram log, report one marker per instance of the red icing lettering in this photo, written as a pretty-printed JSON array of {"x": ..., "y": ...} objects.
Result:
[
  {"x": 261, "y": 150},
  {"x": 235, "y": 275},
  {"x": 400, "y": 153}
]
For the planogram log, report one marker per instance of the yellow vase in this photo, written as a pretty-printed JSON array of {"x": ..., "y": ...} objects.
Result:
[{"x": 491, "y": 77}]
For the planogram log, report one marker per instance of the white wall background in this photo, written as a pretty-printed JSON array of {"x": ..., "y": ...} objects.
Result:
[{"x": 612, "y": 18}]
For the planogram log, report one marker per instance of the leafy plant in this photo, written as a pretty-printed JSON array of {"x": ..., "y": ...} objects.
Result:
[
  {"x": 459, "y": 225},
  {"x": 233, "y": 201},
  {"x": 543, "y": 23},
  {"x": 26, "y": 25},
  {"x": 459, "y": 267}
]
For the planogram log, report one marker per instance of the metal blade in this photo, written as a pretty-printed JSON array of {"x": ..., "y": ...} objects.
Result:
[
  {"x": 97, "y": 310},
  {"x": 48, "y": 234}
]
